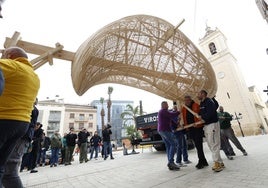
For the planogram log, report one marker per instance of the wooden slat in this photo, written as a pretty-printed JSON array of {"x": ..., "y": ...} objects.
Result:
[
  {"x": 15, "y": 38},
  {"x": 40, "y": 49}
]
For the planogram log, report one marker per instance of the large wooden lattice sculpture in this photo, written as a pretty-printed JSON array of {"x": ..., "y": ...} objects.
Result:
[
  {"x": 141, "y": 51},
  {"x": 144, "y": 52}
]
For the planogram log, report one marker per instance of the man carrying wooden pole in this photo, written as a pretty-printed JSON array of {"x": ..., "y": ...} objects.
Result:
[{"x": 191, "y": 118}]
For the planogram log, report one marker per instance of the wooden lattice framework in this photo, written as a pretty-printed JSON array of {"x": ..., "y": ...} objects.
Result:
[
  {"x": 145, "y": 52},
  {"x": 140, "y": 51}
]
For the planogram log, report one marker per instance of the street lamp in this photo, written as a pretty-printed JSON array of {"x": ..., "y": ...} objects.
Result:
[
  {"x": 237, "y": 118},
  {"x": 239, "y": 124}
]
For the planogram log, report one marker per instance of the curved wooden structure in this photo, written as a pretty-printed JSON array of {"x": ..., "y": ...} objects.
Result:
[
  {"x": 144, "y": 52},
  {"x": 141, "y": 51}
]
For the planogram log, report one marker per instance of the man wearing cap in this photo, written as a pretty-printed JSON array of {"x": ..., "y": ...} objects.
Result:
[{"x": 21, "y": 88}]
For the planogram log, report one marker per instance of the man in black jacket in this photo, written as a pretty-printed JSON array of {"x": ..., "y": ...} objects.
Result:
[
  {"x": 208, "y": 113},
  {"x": 36, "y": 146},
  {"x": 70, "y": 141},
  {"x": 45, "y": 143},
  {"x": 82, "y": 143},
  {"x": 95, "y": 141},
  {"x": 107, "y": 141}
]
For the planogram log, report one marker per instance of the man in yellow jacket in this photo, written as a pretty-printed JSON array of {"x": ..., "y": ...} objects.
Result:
[{"x": 16, "y": 102}]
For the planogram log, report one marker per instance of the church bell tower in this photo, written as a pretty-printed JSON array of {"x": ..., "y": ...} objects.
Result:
[{"x": 233, "y": 93}]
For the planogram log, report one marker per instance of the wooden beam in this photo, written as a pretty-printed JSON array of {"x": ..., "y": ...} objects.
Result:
[
  {"x": 14, "y": 40},
  {"x": 37, "y": 49},
  {"x": 48, "y": 53}
]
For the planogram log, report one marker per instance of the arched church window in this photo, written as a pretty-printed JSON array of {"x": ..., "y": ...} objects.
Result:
[{"x": 212, "y": 48}]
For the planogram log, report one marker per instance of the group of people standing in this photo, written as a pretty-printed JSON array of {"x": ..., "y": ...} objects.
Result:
[
  {"x": 22, "y": 140},
  {"x": 63, "y": 147},
  {"x": 206, "y": 122}
]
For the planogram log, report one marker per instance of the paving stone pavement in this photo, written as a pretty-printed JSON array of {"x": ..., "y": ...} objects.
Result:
[{"x": 148, "y": 169}]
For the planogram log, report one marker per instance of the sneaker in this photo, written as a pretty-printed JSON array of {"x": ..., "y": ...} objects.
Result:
[
  {"x": 181, "y": 165},
  {"x": 187, "y": 162},
  {"x": 199, "y": 166},
  {"x": 51, "y": 166},
  {"x": 55, "y": 165},
  {"x": 244, "y": 153},
  {"x": 217, "y": 167},
  {"x": 173, "y": 166},
  {"x": 112, "y": 158},
  {"x": 230, "y": 157}
]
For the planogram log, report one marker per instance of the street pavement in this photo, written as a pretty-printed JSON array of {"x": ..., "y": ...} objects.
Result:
[{"x": 148, "y": 169}]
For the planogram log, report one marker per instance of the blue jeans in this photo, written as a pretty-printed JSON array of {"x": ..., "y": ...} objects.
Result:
[
  {"x": 94, "y": 149},
  {"x": 54, "y": 156},
  {"x": 42, "y": 156},
  {"x": 181, "y": 146},
  {"x": 10, "y": 132},
  {"x": 170, "y": 144},
  {"x": 11, "y": 177},
  {"x": 106, "y": 146}
]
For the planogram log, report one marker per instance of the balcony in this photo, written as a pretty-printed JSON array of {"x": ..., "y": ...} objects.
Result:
[
  {"x": 81, "y": 119},
  {"x": 54, "y": 119}
]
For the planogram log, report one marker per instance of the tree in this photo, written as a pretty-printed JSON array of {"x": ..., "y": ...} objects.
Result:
[
  {"x": 130, "y": 114},
  {"x": 109, "y": 103},
  {"x": 102, "y": 113},
  {"x": 134, "y": 136}
]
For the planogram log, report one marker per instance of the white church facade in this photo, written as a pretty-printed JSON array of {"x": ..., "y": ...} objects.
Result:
[{"x": 233, "y": 94}]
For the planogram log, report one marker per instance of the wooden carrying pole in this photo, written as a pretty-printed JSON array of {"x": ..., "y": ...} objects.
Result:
[
  {"x": 192, "y": 124},
  {"x": 46, "y": 53}
]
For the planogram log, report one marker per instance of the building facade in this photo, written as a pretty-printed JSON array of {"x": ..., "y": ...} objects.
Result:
[
  {"x": 118, "y": 106},
  {"x": 59, "y": 116},
  {"x": 233, "y": 93}
]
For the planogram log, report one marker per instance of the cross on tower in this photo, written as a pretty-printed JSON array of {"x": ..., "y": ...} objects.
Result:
[{"x": 266, "y": 90}]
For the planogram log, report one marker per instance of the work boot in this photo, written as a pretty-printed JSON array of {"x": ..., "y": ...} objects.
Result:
[{"x": 218, "y": 167}]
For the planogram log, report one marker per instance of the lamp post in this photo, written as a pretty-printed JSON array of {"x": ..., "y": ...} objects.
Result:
[
  {"x": 239, "y": 124},
  {"x": 237, "y": 118},
  {"x": 266, "y": 90}
]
